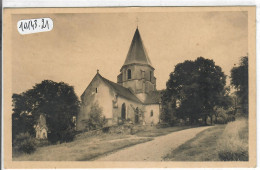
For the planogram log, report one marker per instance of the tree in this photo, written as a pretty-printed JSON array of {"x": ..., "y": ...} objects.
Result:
[
  {"x": 168, "y": 114},
  {"x": 194, "y": 88},
  {"x": 239, "y": 79},
  {"x": 224, "y": 104},
  {"x": 22, "y": 121},
  {"x": 96, "y": 120},
  {"x": 57, "y": 101}
]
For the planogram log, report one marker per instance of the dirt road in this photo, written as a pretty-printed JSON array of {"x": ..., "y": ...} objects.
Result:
[{"x": 153, "y": 150}]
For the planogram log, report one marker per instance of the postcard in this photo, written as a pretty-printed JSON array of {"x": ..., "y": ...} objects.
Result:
[{"x": 129, "y": 87}]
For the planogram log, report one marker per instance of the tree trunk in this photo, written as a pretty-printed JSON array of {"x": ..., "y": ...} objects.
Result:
[
  {"x": 205, "y": 119},
  {"x": 211, "y": 119}
]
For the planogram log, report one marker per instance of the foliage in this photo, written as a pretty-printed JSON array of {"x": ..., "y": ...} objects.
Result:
[
  {"x": 193, "y": 89},
  {"x": 57, "y": 101},
  {"x": 168, "y": 111},
  {"x": 239, "y": 79},
  {"x": 24, "y": 143},
  {"x": 96, "y": 120},
  {"x": 223, "y": 115},
  {"x": 233, "y": 144},
  {"x": 21, "y": 124}
]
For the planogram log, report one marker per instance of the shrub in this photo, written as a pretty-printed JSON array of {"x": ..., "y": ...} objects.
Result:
[
  {"x": 96, "y": 120},
  {"x": 24, "y": 143},
  {"x": 62, "y": 136},
  {"x": 233, "y": 144},
  {"x": 105, "y": 129},
  {"x": 68, "y": 135},
  {"x": 223, "y": 116}
]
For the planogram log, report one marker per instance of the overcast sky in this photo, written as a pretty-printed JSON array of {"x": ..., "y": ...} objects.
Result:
[{"x": 79, "y": 44}]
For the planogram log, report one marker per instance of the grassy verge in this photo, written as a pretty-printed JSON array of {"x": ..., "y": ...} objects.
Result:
[
  {"x": 201, "y": 148},
  {"x": 88, "y": 147},
  {"x": 81, "y": 149},
  {"x": 219, "y": 143},
  {"x": 233, "y": 144},
  {"x": 154, "y": 132}
]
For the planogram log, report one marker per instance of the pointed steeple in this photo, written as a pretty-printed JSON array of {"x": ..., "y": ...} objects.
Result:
[{"x": 137, "y": 53}]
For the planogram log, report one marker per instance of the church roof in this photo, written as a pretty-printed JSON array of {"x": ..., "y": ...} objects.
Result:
[
  {"x": 154, "y": 97},
  {"x": 137, "y": 53},
  {"x": 120, "y": 90}
]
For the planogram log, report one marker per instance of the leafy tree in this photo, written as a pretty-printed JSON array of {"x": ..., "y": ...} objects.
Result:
[
  {"x": 168, "y": 114},
  {"x": 57, "y": 101},
  {"x": 194, "y": 88},
  {"x": 239, "y": 79},
  {"x": 96, "y": 120},
  {"x": 22, "y": 121}
]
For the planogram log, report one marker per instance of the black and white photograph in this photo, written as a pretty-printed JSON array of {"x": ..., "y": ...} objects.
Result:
[{"x": 134, "y": 85}]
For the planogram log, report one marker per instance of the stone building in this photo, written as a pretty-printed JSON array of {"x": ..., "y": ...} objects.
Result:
[
  {"x": 41, "y": 128},
  {"x": 133, "y": 98}
]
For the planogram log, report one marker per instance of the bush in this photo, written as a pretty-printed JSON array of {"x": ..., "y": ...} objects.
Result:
[
  {"x": 62, "y": 136},
  {"x": 224, "y": 116},
  {"x": 68, "y": 136},
  {"x": 233, "y": 144},
  {"x": 24, "y": 143},
  {"x": 105, "y": 129},
  {"x": 96, "y": 120}
]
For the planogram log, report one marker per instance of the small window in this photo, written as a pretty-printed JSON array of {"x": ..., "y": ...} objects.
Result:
[
  {"x": 96, "y": 90},
  {"x": 151, "y": 113},
  {"x": 129, "y": 76},
  {"x": 151, "y": 74}
]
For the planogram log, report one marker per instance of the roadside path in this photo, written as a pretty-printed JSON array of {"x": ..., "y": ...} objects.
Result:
[{"x": 153, "y": 150}]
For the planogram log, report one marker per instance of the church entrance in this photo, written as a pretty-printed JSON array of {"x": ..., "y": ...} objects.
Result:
[{"x": 123, "y": 110}]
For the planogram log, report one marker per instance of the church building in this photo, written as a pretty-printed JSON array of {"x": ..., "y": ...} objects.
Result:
[{"x": 133, "y": 98}]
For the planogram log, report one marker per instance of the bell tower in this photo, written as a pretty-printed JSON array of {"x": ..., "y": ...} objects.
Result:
[{"x": 137, "y": 72}]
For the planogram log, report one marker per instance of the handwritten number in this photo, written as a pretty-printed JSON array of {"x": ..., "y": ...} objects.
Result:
[
  {"x": 38, "y": 25},
  {"x": 35, "y": 23},
  {"x": 45, "y": 24},
  {"x": 21, "y": 26}
]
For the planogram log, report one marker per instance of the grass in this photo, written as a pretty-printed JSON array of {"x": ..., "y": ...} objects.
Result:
[
  {"x": 81, "y": 149},
  {"x": 88, "y": 147},
  {"x": 154, "y": 132},
  {"x": 219, "y": 143},
  {"x": 233, "y": 144},
  {"x": 201, "y": 148}
]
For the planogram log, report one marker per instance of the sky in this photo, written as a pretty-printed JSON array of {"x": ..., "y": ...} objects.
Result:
[{"x": 79, "y": 44}]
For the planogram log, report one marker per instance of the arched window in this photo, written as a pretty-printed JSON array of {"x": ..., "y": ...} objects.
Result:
[
  {"x": 129, "y": 76},
  {"x": 151, "y": 113}
]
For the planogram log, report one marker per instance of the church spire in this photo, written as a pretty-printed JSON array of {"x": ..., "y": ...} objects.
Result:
[{"x": 137, "y": 53}]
